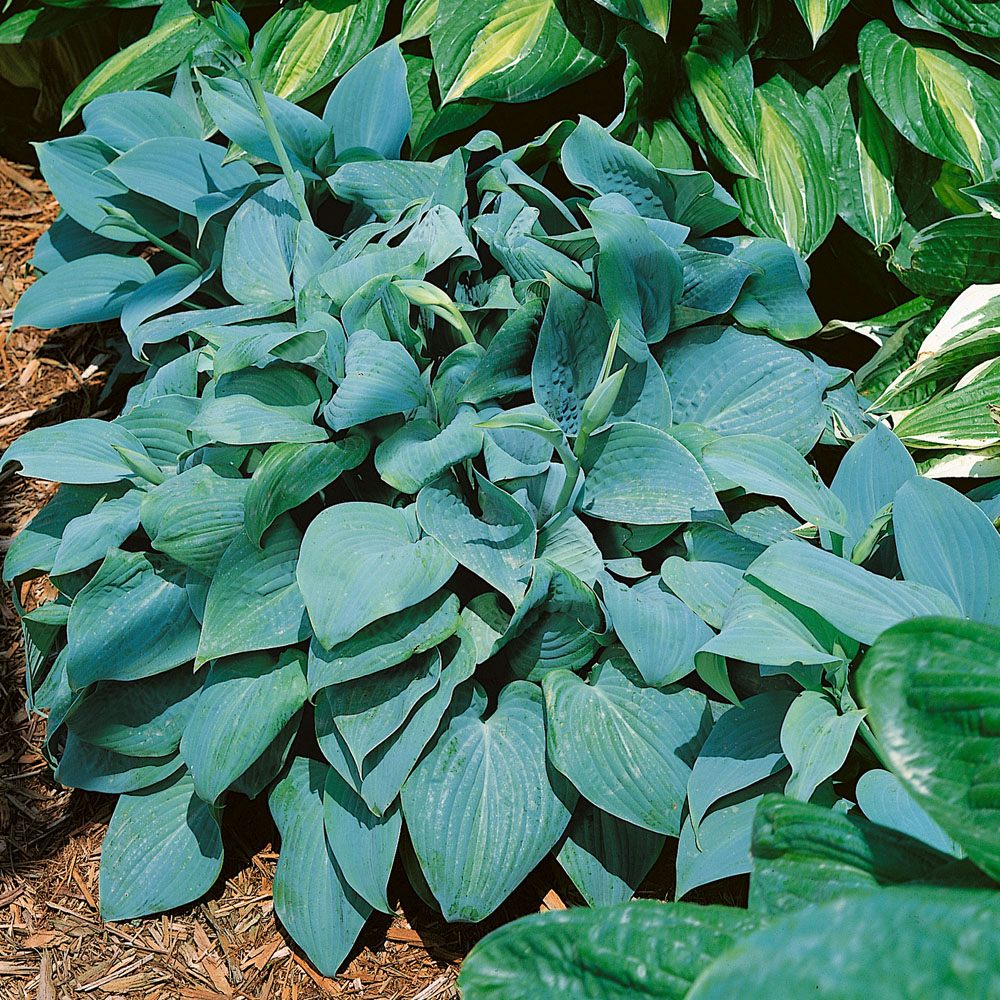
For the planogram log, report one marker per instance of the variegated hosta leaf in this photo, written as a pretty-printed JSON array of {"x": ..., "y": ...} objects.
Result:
[
  {"x": 867, "y": 160},
  {"x": 304, "y": 47},
  {"x": 721, "y": 79},
  {"x": 819, "y": 15},
  {"x": 651, "y": 14},
  {"x": 516, "y": 50},
  {"x": 795, "y": 199},
  {"x": 944, "y": 106}
]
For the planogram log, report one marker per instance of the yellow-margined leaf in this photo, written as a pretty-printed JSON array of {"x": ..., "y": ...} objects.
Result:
[{"x": 651, "y": 14}]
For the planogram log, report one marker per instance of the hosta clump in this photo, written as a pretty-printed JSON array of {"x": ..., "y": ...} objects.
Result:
[{"x": 450, "y": 480}]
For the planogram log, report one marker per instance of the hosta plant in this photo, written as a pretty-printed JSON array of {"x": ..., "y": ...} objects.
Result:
[
  {"x": 379, "y": 533},
  {"x": 929, "y": 686}
]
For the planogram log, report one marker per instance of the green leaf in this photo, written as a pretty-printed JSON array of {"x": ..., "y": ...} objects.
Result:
[
  {"x": 930, "y": 688},
  {"x": 163, "y": 849},
  {"x": 606, "y": 857},
  {"x": 643, "y": 949},
  {"x": 795, "y": 199},
  {"x": 153, "y": 55},
  {"x": 651, "y": 14},
  {"x": 945, "y": 541},
  {"x": 948, "y": 256},
  {"x": 508, "y": 50},
  {"x": 497, "y": 546},
  {"x": 254, "y": 601},
  {"x": 937, "y": 939},
  {"x": 854, "y": 601},
  {"x": 940, "y": 103},
  {"x": 819, "y": 15},
  {"x": 482, "y": 807},
  {"x": 642, "y": 475},
  {"x": 245, "y": 703},
  {"x": 362, "y": 561},
  {"x": 627, "y": 748},
  {"x": 132, "y": 620},
  {"x": 311, "y": 896},
  {"x": 290, "y": 473}
]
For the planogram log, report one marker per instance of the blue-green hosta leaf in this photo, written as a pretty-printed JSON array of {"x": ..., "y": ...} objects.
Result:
[
  {"x": 169, "y": 288},
  {"x": 259, "y": 249},
  {"x": 498, "y": 545},
  {"x": 737, "y": 383},
  {"x": 795, "y": 199},
  {"x": 177, "y": 171},
  {"x": 770, "y": 467},
  {"x": 774, "y": 297},
  {"x": 83, "y": 765},
  {"x": 131, "y": 620},
  {"x": 720, "y": 849},
  {"x": 312, "y": 898},
  {"x": 87, "y": 539},
  {"x": 289, "y": 474},
  {"x": 930, "y": 688},
  {"x": 815, "y": 739},
  {"x": 364, "y": 713},
  {"x": 572, "y": 342},
  {"x": 595, "y": 161},
  {"x": 385, "y": 186},
  {"x": 567, "y": 542},
  {"x": 246, "y": 702},
  {"x": 513, "y": 51},
  {"x": 362, "y": 561},
  {"x": 388, "y": 765},
  {"x": 941, "y": 940},
  {"x": 483, "y": 806},
  {"x": 640, "y": 277},
  {"x": 193, "y": 517},
  {"x": 370, "y": 106},
  {"x": 37, "y": 544},
  {"x": 163, "y": 849},
  {"x": 143, "y": 718},
  {"x": 88, "y": 290},
  {"x": 705, "y": 587},
  {"x": 254, "y": 601},
  {"x": 606, "y": 857},
  {"x": 382, "y": 378},
  {"x": 660, "y": 633},
  {"x": 945, "y": 541},
  {"x": 556, "y": 625},
  {"x": 641, "y": 475},
  {"x": 301, "y": 49},
  {"x": 363, "y": 844},
  {"x": 644, "y": 949},
  {"x": 231, "y": 107},
  {"x": 505, "y": 367},
  {"x": 161, "y": 425},
  {"x": 127, "y": 119},
  {"x": 742, "y": 748},
  {"x": 420, "y": 451},
  {"x": 944, "y": 106},
  {"x": 883, "y": 798},
  {"x": 868, "y": 477},
  {"x": 386, "y": 642},
  {"x": 626, "y": 747},
  {"x": 759, "y": 628},
  {"x": 258, "y": 406},
  {"x": 854, "y": 601},
  {"x": 714, "y": 543},
  {"x": 712, "y": 284},
  {"x": 67, "y": 240}
]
